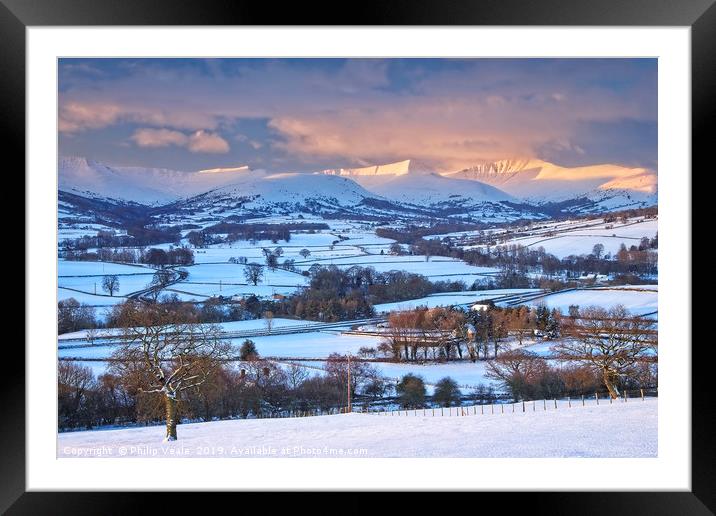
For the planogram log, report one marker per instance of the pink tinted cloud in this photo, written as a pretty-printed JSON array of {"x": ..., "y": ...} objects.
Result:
[
  {"x": 199, "y": 141},
  {"x": 158, "y": 138},
  {"x": 77, "y": 116},
  {"x": 203, "y": 141},
  {"x": 447, "y": 133}
]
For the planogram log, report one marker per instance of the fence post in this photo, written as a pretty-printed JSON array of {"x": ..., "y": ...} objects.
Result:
[
  {"x": 534, "y": 405},
  {"x": 442, "y": 413},
  {"x": 513, "y": 408},
  {"x": 492, "y": 407},
  {"x": 625, "y": 396},
  {"x": 596, "y": 397},
  {"x": 502, "y": 407},
  {"x": 544, "y": 402},
  {"x": 555, "y": 403},
  {"x": 610, "y": 400},
  {"x": 523, "y": 405},
  {"x": 582, "y": 399},
  {"x": 482, "y": 409},
  {"x": 642, "y": 394},
  {"x": 433, "y": 409}
]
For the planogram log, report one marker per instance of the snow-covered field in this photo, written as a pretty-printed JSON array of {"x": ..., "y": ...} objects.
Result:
[
  {"x": 638, "y": 302},
  {"x": 566, "y": 241},
  {"x": 69, "y": 268},
  {"x": 88, "y": 298},
  {"x": 468, "y": 375},
  {"x": 318, "y": 344},
  {"x": 563, "y": 432},
  {"x": 449, "y": 299},
  {"x": 436, "y": 269},
  {"x": 92, "y": 284}
]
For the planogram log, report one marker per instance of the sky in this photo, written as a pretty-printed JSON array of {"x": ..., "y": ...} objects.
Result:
[{"x": 311, "y": 114}]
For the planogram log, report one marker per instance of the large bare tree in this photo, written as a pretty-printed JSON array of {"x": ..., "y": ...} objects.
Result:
[
  {"x": 110, "y": 283},
  {"x": 610, "y": 340},
  {"x": 253, "y": 272},
  {"x": 163, "y": 353}
]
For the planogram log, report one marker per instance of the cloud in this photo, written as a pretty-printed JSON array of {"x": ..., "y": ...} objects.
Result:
[
  {"x": 159, "y": 138},
  {"x": 256, "y": 145},
  {"x": 202, "y": 141},
  {"x": 450, "y": 113},
  {"x": 78, "y": 116},
  {"x": 199, "y": 141}
]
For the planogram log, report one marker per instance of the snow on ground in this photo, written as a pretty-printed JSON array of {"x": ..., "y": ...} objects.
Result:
[
  {"x": 71, "y": 268},
  {"x": 638, "y": 302},
  {"x": 227, "y": 279},
  {"x": 234, "y": 273},
  {"x": 92, "y": 284},
  {"x": 251, "y": 324},
  {"x": 468, "y": 375},
  {"x": 318, "y": 344},
  {"x": 436, "y": 269},
  {"x": 89, "y": 299},
  {"x": 578, "y": 241},
  {"x": 201, "y": 291},
  {"x": 564, "y": 432},
  {"x": 448, "y": 299}
]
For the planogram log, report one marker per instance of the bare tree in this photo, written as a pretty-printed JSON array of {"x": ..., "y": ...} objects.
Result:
[
  {"x": 254, "y": 272},
  {"x": 598, "y": 251},
  {"x": 162, "y": 354},
  {"x": 110, "y": 284},
  {"x": 611, "y": 341},
  {"x": 91, "y": 334},
  {"x": 268, "y": 320},
  {"x": 74, "y": 383},
  {"x": 160, "y": 280},
  {"x": 516, "y": 369}
]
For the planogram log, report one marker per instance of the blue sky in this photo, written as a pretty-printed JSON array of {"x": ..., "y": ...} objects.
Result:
[{"x": 310, "y": 114}]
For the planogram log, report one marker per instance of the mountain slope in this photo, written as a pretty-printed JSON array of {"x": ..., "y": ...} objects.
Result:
[
  {"x": 292, "y": 192},
  {"x": 150, "y": 186},
  {"x": 539, "y": 181},
  {"x": 410, "y": 182}
]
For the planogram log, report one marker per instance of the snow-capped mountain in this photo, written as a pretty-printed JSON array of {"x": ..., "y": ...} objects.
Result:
[
  {"x": 264, "y": 192},
  {"x": 539, "y": 181},
  {"x": 500, "y": 191},
  {"x": 150, "y": 186},
  {"x": 411, "y": 182}
]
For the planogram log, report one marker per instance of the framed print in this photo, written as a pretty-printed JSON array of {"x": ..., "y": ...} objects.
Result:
[{"x": 414, "y": 250}]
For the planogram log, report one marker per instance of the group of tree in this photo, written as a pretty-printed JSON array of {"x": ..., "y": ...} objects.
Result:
[
  {"x": 515, "y": 260},
  {"x": 157, "y": 257},
  {"x": 255, "y": 232},
  {"x": 172, "y": 370},
  {"x": 439, "y": 334},
  {"x": 602, "y": 349},
  {"x": 134, "y": 236}
]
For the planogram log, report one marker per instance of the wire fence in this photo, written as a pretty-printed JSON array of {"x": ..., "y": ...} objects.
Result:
[
  {"x": 522, "y": 406},
  {"x": 486, "y": 407}
]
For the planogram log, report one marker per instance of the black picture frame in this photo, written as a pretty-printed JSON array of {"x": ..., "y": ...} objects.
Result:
[{"x": 700, "y": 15}]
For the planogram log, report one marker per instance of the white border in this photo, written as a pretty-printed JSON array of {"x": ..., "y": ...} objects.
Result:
[{"x": 671, "y": 470}]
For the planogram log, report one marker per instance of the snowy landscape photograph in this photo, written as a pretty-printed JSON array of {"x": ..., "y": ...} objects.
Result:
[{"x": 357, "y": 258}]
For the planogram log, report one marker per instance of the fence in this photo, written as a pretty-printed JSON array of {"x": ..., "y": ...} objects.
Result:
[
  {"x": 542, "y": 405},
  {"x": 493, "y": 407}
]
